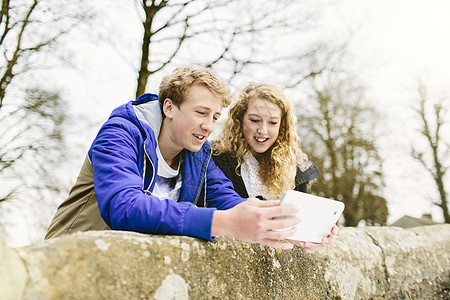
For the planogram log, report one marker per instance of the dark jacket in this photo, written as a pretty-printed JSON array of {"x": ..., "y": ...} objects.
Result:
[
  {"x": 114, "y": 188},
  {"x": 227, "y": 162}
]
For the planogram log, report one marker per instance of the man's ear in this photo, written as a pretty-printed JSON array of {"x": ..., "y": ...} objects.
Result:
[{"x": 167, "y": 108}]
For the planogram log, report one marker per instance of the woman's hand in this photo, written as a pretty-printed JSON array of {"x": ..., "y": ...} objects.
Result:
[{"x": 310, "y": 247}]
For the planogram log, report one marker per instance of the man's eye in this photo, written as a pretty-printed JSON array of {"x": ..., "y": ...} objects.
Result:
[{"x": 201, "y": 113}]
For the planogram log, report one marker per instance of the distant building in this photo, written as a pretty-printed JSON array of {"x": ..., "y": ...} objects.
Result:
[{"x": 408, "y": 221}]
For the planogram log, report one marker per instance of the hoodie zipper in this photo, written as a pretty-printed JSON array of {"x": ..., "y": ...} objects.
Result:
[
  {"x": 203, "y": 180},
  {"x": 145, "y": 167}
]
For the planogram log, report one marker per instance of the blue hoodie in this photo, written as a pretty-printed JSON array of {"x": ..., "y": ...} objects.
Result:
[{"x": 125, "y": 164}]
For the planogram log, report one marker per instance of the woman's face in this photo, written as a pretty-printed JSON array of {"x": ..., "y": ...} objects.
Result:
[{"x": 261, "y": 125}]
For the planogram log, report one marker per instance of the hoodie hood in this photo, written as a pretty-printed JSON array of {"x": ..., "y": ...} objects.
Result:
[
  {"x": 148, "y": 111},
  {"x": 144, "y": 110}
]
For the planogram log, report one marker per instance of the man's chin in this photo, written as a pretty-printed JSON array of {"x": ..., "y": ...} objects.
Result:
[{"x": 195, "y": 148}]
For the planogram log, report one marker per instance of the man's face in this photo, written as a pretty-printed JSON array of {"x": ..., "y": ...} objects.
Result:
[
  {"x": 195, "y": 119},
  {"x": 261, "y": 125}
]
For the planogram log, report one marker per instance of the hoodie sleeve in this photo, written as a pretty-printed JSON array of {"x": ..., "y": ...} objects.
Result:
[
  {"x": 118, "y": 183},
  {"x": 220, "y": 190}
]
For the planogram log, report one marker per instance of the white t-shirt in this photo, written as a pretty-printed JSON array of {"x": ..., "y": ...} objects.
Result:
[
  {"x": 168, "y": 181},
  {"x": 250, "y": 176}
]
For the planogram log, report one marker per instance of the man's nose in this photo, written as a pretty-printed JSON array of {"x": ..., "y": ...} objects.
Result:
[{"x": 208, "y": 125}]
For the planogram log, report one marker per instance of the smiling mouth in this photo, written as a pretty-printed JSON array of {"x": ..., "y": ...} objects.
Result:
[
  {"x": 199, "y": 136},
  {"x": 261, "y": 140}
]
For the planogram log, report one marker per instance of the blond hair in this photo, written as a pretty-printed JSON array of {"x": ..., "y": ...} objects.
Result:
[
  {"x": 176, "y": 86},
  {"x": 278, "y": 165}
]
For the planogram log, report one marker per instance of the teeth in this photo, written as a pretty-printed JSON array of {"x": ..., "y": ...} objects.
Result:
[
  {"x": 261, "y": 140},
  {"x": 199, "y": 136}
]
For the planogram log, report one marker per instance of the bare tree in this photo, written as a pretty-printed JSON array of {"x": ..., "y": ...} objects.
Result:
[
  {"x": 337, "y": 130},
  {"x": 337, "y": 127},
  {"x": 323, "y": 58},
  {"x": 435, "y": 158},
  {"x": 32, "y": 153},
  {"x": 29, "y": 30},
  {"x": 211, "y": 31},
  {"x": 33, "y": 112},
  {"x": 32, "y": 117},
  {"x": 30, "y": 130}
]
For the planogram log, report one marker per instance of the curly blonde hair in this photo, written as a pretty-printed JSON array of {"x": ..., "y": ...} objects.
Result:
[
  {"x": 278, "y": 165},
  {"x": 177, "y": 85}
]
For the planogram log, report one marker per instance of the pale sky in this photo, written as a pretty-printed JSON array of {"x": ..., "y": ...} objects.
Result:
[
  {"x": 408, "y": 40},
  {"x": 399, "y": 41}
]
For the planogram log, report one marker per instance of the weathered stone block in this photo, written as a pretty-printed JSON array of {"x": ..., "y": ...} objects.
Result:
[
  {"x": 364, "y": 263},
  {"x": 13, "y": 275}
]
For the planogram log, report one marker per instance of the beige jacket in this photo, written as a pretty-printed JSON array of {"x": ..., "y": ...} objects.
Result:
[{"x": 79, "y": 212}]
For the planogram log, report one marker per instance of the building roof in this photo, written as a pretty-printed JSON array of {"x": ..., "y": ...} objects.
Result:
[{"x": 408, "y": 221}]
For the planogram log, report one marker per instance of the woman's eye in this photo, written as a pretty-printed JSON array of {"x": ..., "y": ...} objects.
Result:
[
  {"x": 254, "y": 120},
  {"x": 273, "y": 123},
  {"x": 201, "y": 113}
]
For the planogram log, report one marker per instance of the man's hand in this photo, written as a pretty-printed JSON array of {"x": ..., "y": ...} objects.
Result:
[
  {"x": 310, "y": 247},
  {"x": 254, "y": 220}
]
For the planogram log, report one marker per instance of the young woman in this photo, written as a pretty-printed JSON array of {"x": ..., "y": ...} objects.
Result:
[{"x": 259, "y": 149}]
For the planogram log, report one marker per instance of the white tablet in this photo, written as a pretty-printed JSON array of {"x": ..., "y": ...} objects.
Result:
[{"x": 317, "y": 215}]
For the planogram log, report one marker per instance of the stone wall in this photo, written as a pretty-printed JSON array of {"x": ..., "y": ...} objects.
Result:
[{"x": 364, "y": 263}]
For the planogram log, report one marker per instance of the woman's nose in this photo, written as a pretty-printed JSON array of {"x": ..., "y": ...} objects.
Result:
[{"x": 262, "y": 128}]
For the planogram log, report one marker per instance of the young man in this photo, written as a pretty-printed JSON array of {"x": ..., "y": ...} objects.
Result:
[{"x": 150, "y": 170}]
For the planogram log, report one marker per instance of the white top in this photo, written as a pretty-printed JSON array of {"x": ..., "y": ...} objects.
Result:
[
  {"x": 168, "y": 181},
  {"x": 250, "y": 176}
]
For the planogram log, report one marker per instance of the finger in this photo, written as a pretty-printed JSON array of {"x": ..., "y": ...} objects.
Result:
[
  {"x": 298, "y": 243},
  {"x": 280, "y": 235},
  {"x": 278, "y": 244},
  {"x": 252, "y": 200},
  {"x": 329, "y": 240},
  {"x": 268, "y": 203},
  {"x": 335, "y": 230},
  {"x": 279, "y": 211},
  {"x": 262, "y": 203},
  {"x": 283, "y": 222},
  {"x": 310, "y": 247}
]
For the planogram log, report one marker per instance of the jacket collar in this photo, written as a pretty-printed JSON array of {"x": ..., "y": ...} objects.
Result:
[
  {"x": 144, "y": 110},
  {"x": 148, "y": 111}
]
